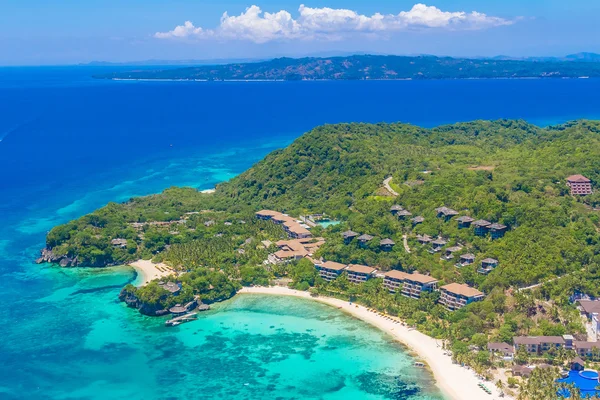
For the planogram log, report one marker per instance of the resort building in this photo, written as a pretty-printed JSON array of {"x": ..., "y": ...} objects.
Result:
[
  {"x": 292, "y": 227},
  {"x": 504, "y": 349},
  {"x": 396, "y": 209},
  {"x": 446, "y": 213},
  {"x": 295, "y": 249},
  {"x": 481, "y": 227},
  {"x": 415, "y": 284},
  {"x": 387, "y": 244},
  {"x": 330, "y": 270},
  {"x": 464, "y": 222},
  {"x": 424, "y": 239},
  {"x": 403, "y": 214},
  {"x": 449, "y": 252},
  {"x": 466, "y": 259},
  {"x": 119, "y": 242},
  {"x": 171, "y": 287},
  {"x": 437, "y": 245},
  {"x": 267, "y": 214},
  {"x": 542, "y": 344},
  {"x": 487, "y": 266},
  {"x": 579, "y": 185},
  {"x": 589, "y": 350},
  {"x": 349, "y": 236},
  {"x": 455, "y": 296},
  {"x": 363, "y": 240},
  {"x": 417, "y": 220},
  {"x": 497, "y": 230},
  {"x": 360, "y": 273},
  {"x": 394, "y": 279}
]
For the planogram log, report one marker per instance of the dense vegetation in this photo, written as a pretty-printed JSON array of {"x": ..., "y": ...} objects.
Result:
[
  {"x": 361, "y": 67},
  {"x": 504, "y": 171}
]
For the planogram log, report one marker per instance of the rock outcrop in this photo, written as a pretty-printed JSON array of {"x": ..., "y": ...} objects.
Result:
[{"x": 147, "y": 309}]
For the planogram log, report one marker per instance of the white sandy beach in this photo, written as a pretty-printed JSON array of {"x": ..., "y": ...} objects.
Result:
[
  {"x": 208, "y": 191},
  {"x": 149, "y": 271},
  {"x": 456, "y": 382}
]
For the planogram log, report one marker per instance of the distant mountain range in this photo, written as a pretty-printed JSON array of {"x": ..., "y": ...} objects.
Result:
[{"x": 378, "y": 67}]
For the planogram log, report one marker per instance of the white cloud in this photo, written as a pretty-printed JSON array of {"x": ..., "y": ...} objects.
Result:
[{"x": 331, "y": 24}]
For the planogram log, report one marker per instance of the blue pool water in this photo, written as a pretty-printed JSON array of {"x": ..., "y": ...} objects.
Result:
[
  {"x": 326, "y": 224},
  {"x": 586, "y": 381},
  {"x": 69, "y": 144}
]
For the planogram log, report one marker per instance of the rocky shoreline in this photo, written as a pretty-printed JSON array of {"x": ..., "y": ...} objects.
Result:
[{"x": 48, "y": 256}]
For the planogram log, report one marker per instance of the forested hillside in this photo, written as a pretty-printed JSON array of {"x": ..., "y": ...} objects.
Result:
[{"x": 363, "y": 67}]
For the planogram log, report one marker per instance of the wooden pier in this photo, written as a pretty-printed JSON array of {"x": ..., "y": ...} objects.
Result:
[{"x": 182, "y": 319}]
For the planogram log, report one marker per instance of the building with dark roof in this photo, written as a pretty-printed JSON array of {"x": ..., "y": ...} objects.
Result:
[
  {"x": 466, "y": 259},
  {"x": 464, "y": 222},
  {"x": 497, "y": 230},
  {"x": 364, "y": 239},
  {"x": 446, "y": 213},
  {"x": 481, "y": 227},
  {"x": 395, "y": 209},
  {"x": 348, "y": 236},
  {"x": 417, "y": 220},
  {"x": 487, "y": 266},
  {"x": 387, "y": 244},
  {"x": 403, "y": 214}
]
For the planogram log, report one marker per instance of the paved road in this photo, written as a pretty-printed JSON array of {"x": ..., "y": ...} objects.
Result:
[
  {"x": 405, "y": 238},
  {"x": 386, "y": 184}
]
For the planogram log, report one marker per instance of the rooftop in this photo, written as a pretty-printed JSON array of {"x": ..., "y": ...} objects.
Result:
[
  {"x": 396, "y": 207},
  {"x": 420, "y": 278},
  {"x": 268, "y": 213},
  {"x": 171, "y": 287},
  {"x": 396, "y": 274},
  {"x": 404, "y": 213},
  {"x": 500, "y": 347},
  {"x": 418, "y": 219},
  {"x": 482, "y": 222},
  {"x": 497, "y": 226},
  {"x": 578, "y": 179},
  {"x": 489, "y": 261},
  {"x": 465, "y": 218},
  {"x": 387, "y": 242},
  {"x": 365, "y": 237},
  {"x": 363, "y": 269},
  {"x": 468, "y": 256},
  {"x": 349, "y": 234},
  {"x": 335, "y": 266},
  {"x": 463, "y": 290},
  {"x": 590, "y": 306},
  {"x": 446, "y": 211}
]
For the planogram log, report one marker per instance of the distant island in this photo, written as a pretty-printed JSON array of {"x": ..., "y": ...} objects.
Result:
[
  {"x": 483, "y": 235},
  {"x": 377, "y": 67}
]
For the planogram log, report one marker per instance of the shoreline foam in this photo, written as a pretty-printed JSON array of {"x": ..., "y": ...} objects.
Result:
[{"x": 455, "y": 382}]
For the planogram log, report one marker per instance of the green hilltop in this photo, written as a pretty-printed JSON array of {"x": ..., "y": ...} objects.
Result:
[{"x": 509, "y": 172}]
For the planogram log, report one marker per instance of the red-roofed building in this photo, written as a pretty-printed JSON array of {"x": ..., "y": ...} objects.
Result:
[{"x": 579, "y": 185}]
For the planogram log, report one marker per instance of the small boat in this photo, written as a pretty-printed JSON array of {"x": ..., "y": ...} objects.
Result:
[
  {"x": 419, "y": 364},
  {"x": 180, "y": 320}
]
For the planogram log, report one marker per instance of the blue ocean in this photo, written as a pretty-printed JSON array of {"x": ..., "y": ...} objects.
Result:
[{"x": 70, "y": 143}]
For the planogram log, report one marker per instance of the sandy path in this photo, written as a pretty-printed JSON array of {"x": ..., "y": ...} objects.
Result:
[{"x": 458, "y": 383}]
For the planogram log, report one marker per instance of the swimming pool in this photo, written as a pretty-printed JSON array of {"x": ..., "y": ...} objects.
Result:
[
  {"x": 586, "y": 381},
  {"x": 328, "y": 223}
]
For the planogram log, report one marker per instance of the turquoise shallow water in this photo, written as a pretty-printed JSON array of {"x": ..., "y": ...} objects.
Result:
[{"x": 251, "y": 347}]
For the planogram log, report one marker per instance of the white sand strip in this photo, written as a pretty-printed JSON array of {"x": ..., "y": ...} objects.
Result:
[
  {"x": 456, "y": 382},
  {"x": 148, "y": 271}
]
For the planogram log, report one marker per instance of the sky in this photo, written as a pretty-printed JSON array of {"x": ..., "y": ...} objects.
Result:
[{"x": 51, "y": 32}]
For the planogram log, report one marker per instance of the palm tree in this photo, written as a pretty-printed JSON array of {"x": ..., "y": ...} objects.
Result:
[{"x": 500, "y": 385}]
